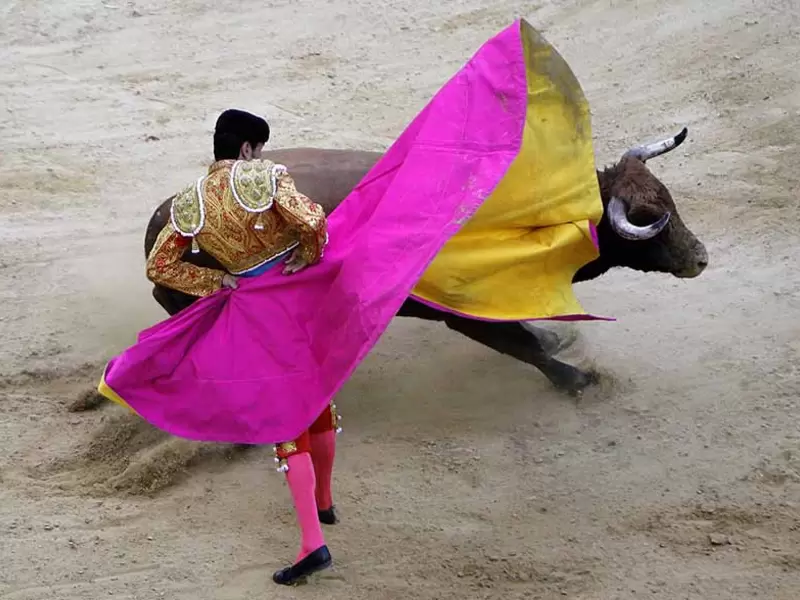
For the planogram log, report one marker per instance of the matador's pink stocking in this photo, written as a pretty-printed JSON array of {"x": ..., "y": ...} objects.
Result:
[{"x": 301, "y": 479}]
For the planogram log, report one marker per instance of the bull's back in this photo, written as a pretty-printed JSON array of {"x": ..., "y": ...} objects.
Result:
[{"x": 326, "y": 176}]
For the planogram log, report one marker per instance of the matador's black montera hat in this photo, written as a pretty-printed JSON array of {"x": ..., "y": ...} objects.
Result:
[{"x": 244, "y": 125}]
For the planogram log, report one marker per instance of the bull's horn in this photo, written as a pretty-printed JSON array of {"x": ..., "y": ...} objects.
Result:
[
  {"x": 618, "y": 217},
  {"x": 648, "y": 151}
]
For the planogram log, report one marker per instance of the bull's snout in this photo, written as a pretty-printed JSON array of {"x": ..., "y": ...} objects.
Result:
[{"x": 696, "y": 264}]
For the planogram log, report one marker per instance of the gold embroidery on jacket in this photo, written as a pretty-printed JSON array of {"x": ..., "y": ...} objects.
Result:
[{"x": 222, "y": 227}]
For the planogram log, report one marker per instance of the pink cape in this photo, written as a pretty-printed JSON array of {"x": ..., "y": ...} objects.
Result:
[{"x": 259, "y": 364}]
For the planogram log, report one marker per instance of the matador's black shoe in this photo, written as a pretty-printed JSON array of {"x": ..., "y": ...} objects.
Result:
[
  {"x": 318, "y": 560},
  {"x": 328, "y": 516}
]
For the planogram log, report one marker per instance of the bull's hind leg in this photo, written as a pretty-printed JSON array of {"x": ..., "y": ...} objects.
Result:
[{"x": 172, "y": 301}]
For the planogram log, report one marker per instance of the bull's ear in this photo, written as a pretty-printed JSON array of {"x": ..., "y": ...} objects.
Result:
[
  {"x": 618, "y": 217},
  {"x": 647, "y": 151}
]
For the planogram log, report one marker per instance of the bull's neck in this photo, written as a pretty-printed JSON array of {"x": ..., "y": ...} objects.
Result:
[
  {"x": 602, "y": 263},
  {"x": 592, "y": 270}
]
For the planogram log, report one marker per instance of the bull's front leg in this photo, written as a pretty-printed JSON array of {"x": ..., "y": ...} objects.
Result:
[
  {"x": 527, "y": 343},
  {"x": 516, "y": 341},
  {"x": 550, "y": 342}
]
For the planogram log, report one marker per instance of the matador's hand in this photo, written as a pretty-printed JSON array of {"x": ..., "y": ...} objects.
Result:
[
  {"x": 294, "y": 263},
  {"x": 230, "y": 281}
]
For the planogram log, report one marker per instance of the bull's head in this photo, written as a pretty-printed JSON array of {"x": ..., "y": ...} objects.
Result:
[{"x": 641, "y": 228}]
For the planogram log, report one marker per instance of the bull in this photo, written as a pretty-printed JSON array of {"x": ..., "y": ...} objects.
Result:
[{"x": 640, "y": 229}]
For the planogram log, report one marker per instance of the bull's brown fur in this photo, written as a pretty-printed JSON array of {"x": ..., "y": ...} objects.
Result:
[{"x": 327, "y": 176}]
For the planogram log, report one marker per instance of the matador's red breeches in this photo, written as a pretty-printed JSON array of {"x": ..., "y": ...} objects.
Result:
[{"x": 327, "y": 421}]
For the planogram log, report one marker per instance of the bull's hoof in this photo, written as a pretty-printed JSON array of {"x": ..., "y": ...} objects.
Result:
[{"x": 570, "y": 379}]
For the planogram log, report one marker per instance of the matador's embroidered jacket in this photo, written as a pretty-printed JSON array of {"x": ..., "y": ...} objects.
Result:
[{"x": 244, "y": 214}]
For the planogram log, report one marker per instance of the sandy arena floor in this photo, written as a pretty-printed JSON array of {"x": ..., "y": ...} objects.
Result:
[{"x": 461, "y": 474}]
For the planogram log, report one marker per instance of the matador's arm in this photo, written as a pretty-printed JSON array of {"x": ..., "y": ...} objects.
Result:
[
  {"x": 165, "y": 267},
  {"x": 304, "y": 215}
]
